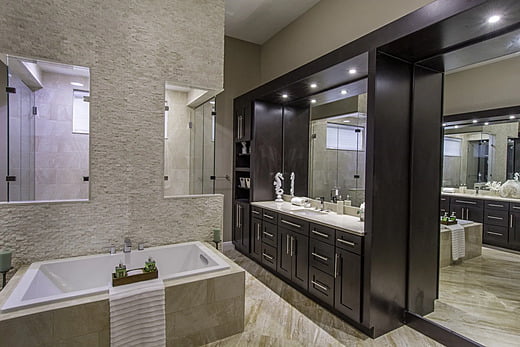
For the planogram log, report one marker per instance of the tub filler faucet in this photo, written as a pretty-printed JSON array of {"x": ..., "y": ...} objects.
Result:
[{"x": 127, "y": 248}]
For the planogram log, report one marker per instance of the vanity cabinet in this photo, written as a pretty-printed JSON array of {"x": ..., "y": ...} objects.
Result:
[
  {"x": 514, "y": 226},
  {"x": 347, "y": 294},
  {"x": 241, "y": 226},
  {"x": 468, "y": 209},
  {"x": 293, "y": 251}
]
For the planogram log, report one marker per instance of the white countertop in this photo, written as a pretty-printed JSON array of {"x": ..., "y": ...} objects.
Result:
[
  {"x": 342, "y": 222},
  {"x": 481, "y": 196}
]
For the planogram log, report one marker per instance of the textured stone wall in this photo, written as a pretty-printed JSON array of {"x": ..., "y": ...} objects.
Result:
[{"x": 132, "y": 48}]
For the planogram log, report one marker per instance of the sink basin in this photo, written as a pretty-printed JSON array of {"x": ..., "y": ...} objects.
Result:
[{"x": 310, "y": 213}]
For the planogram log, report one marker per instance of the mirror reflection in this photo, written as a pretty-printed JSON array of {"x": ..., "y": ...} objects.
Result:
[{"x": 337, "y": 150}]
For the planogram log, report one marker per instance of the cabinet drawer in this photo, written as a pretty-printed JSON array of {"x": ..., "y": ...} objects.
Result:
[
  {"x": 294, "y": 224},
  {"x": 319, "y": 232},
  {"x": 495, "y": 235},
  {"x": 467, "y": 202},
  {"x": 269, "y": 216},
  {"x": 496, "y": 217},
  {"x": 256, "y": 212},
  {"x": 269, "y": 234},
  {"x": 496, "y": 205},
  {"x": 514, "y": 206},
  {"x": 321, "y": 285},
  {"x": 349, "y": 241},
  {"x": 321, "y": 256},
  {"x": 269, "y": 256}
]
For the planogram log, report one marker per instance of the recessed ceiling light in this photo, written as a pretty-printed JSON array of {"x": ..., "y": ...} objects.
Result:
[
  {"x": 493, "y": 19},
  {"x": 352, "y": 71},
  {"x": 77, "y": 84},
  {"x": 456, "y": 126},
  {"x": 511, "y": 117},
  {"x": 285, "y": 96},
  {"x": 313, "y": 101},
  {"x": 486, "y": 123},
  {"x": 474, "y": 120},
  {"x": 444, "y": 124},
  {"x": 346, "y": 121},
  {"x": 212, "y": 102},
  {"x": 343, "y": 92},
  {"x": 314, "y": 85}
]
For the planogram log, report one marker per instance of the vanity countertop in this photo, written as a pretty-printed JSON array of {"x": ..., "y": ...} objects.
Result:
[
  {"x": 343, "y": 222},
  {"x": 485, "y": 196}
]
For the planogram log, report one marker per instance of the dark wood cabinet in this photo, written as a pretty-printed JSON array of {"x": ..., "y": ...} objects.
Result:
[
  {"x": 293, "y": 257},
  {"x": 468, "y": 209},
  {"x": 241, "y": 226},
  {"x": 347, "y": 289},
  {"x": 321, "y": 285},
  {"x": 242, "y": 121},
  {"x": 514, "y": 227},
  {"x": 256, "y": 238}
]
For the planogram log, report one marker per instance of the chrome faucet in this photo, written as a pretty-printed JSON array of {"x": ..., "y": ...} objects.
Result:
[
  {"x": 127, "y": 248},
  {"x": 322, "y": 201}
]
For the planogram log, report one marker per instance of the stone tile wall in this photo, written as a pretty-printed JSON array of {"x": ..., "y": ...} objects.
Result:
[{"x": 131, "y": 48}]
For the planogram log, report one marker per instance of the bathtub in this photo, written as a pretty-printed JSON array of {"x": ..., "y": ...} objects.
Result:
[{"x": 57, "y": 280}]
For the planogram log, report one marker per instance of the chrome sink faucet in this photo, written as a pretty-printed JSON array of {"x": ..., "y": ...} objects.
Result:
[
  {"x": 322, "y": 201},
  {"x": 127, "y": 248}
]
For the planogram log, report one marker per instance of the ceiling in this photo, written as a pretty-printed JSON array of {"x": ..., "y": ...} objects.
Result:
[{"x": 258, "y": 20}]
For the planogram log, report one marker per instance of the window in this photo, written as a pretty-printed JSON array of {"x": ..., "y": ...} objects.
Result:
[
  {"x": 452, "y": 147},
  {"x": 80, "y": 112},
  {"x": 345, "y": 137}
]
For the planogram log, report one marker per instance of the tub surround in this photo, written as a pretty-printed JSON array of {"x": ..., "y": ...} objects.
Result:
[
  {"x": 215, "y": 301},
  {"x": 473, "y": 243},
  {"x": 347, "y": 223}
]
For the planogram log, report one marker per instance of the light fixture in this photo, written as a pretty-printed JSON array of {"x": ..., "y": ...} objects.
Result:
[
  {"x": 474, "y": 120},
  {"x": 352, "y": 71},
  {"x": 285, "y": 96},
  {"x": 314, "y": 85},
  {"x": 346, "y": 121},
  {"x": 486, "y": 123},
  {"x": 76, "y": 84},
  {"x": 313, "y": 101},
  {"x": 444, "y": 124},
  {"x": 212, "y": 102},
  {"x": 493, "y": 19},
  {"x": 512, "y": 117},
  {"x": 343, "y": 92},
  {"x": 456, "y": 126}
]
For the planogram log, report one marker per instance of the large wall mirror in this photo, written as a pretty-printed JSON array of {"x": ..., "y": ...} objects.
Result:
[
  {"x": 189, "y": 141},
  {"x": 330, "y": 162},
  {"x": 44, "y": 121}
]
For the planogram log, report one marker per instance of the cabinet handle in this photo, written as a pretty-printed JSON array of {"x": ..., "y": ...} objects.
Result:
[
  {"x": 268, "y": 234},
  {"x": 497, "y": 234},
  {"x": 336, "y": 265},
  {"x": 292, "y": 245},
  {"x": 511, "y": 220},
  {"x": 267, "y": 256},
  {"x": 516, "y": 207},
  {"x": 287, "y": 245},
  {"x": 236, "y": 211},
  {"x": 350, "y": 243},
  {"x": 466, "y": 202},
  {"x": 268, "y": 216},
  {"x": 240, "y": 127},
  {"x": 495, "y": 205},
  {"x": 467, "y": 214},
  {"x": 497, "y": 218},
  {"x": 319, "y": 234},
  {"x": 319, "y": 285},
  {"x": 291, "y": 224},
  {"x": 258, "y": 232},
  {"x": 320, "y": 256},
  {"x": 239, "y": 216},
  {"x": 256, "y": 212}
]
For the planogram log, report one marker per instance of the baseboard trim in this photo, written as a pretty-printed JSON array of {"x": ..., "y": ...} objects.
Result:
[{"x": 437, "y": 332}]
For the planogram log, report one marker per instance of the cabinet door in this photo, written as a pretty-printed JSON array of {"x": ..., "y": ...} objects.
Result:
[
  {"x": 347, "y": 290},
  {"x": 514, "y": 230},
  {"x": 475, "y": 214},
  {"x": 300, "y": 260},
  {"x": 284, "y": 259},
  {"x": 256, "y": 238}
]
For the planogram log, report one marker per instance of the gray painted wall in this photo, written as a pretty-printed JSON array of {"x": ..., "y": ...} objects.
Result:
[{"x": 132, "y": 48}]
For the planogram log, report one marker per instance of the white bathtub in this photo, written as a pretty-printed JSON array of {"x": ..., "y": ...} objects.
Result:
[{"x": 56, "y": 280}]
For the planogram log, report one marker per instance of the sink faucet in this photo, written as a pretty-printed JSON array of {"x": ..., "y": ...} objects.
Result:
[
  {"x": 322, "y": 201},
  {"x": 127, "y": 248}
]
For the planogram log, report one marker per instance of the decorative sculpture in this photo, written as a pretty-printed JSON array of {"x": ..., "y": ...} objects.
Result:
[
  {"x": 278, "y": 178},
  {"x": 293, "y": 176}
]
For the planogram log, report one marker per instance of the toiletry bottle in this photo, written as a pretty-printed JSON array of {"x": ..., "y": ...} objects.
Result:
[
  {"x": 339, "y": 207},
  {"x": 121, "y": 270},
  {"x": 453, "y": 217}
]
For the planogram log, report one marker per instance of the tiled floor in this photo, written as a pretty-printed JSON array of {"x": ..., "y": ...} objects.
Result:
[
  {"x": 278, "y": 315},
  {"x": 480, "y": 298}
]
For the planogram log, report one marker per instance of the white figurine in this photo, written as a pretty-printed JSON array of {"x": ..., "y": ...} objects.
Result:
[
  {"x": 293, "y": 176},
  {"x": 278, "y": 178}
]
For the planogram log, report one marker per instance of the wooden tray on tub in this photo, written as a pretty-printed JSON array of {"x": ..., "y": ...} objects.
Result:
[{"x": 139, "y": 277}]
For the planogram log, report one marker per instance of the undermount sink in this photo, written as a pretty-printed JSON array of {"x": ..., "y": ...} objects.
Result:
[{"x": 306, "y": 212}]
